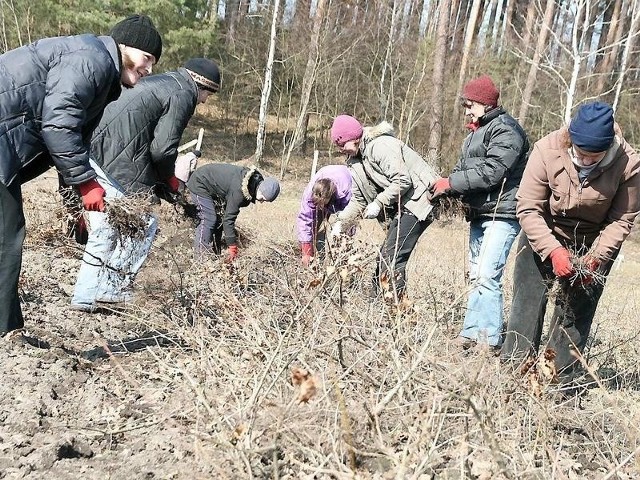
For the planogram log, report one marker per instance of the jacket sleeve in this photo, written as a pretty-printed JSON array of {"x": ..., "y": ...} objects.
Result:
[
  {"x": 306, "y": 217},
  {"x": 621, "y": 216},
  {"x": 532, "y": 205},
  {"x": 231, "y": 212},
  {"x": 387, "y": 159},
  {"x": 356, "y": 205},
  {"x": 72, "y": 87},
  {"x": 487, "y": 173},
  {"x": 169, "y": 129}
]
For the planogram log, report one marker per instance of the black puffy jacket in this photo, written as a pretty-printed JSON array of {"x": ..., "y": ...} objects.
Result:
[
  {"x": 138, "y": 137},
  {"x": 490, "y": 168},
  {"x": 52, "y": 95},
  {"x": 231, "y": 187}
]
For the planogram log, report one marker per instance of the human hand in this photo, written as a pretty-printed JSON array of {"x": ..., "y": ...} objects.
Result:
[
  {"x": 591, "y": 264},
  {"x": 439, "y": 188},
  {"x": 372, "y": 210},
  {"x": 232, "y": 253},
  {"x": 561, "y": 261},
  {"x": 185, "y": 165},
  {"x": 174, "y": 184},
  {"x": 92, "y": 195},
  {"x": 307, "y": 253}
]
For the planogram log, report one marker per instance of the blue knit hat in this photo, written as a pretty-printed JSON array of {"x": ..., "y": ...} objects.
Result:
[
  {"x": 269, "y": 188},
  {"x": 592, "y": 127}
]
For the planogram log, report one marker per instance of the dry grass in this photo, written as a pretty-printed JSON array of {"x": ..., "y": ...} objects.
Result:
[{"x": 268, "y": 370}]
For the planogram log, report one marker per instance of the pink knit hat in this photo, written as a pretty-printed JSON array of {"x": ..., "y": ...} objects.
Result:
[
  {"x": 344, "y": 129},
  {"x": 482, "y": 90}
]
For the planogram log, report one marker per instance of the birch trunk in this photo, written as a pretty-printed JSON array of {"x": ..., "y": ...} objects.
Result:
[
  {"x": 577, "y": 58},
  {"x": 535, "y": 63},
  {"x": 384, "y": 103},
  {"x": 308, "y": 81},
  {"x": 468, "y": 43},
  {"x": 266, "y": 88}
]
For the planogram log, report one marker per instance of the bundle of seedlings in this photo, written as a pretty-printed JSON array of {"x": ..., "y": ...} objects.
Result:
[
  {"x": 129, "y": 216},
  {"x": 447, "y": 209}
]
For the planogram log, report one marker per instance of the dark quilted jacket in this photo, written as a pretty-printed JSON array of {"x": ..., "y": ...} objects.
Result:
[
  {"x": 138, "y": 136},
  {"x": 52, "y": 95},
  {"x": 231, "y": 187},
  {"x": 491, "y": 165}
]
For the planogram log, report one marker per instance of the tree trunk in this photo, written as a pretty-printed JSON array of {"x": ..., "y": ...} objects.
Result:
[
  {"x": 383, "y": 97},
  {"x": 437, "y": 95},
  {"x": 528, "y": 26},
  {"x": 614, "y": 35},
  {"x": 310, "y": 72},
  {"x": 468, "y": 43},
  {"x": 535, "y": 63},
  {"x": 576, "y": 54},
  {"x": 266, "y": 88},
  {"x": 628, "y": 47}
]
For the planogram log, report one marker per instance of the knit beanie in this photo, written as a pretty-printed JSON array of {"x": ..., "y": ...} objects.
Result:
[
  {"x": 482, "y": 90},
  {"x": 269, "y": 188},
  {"x": 204, "y": 72},
  {"x": 138, "y": 31},
  {"x": 591, "y": 129},
  {"x": 345, "y": 128}
]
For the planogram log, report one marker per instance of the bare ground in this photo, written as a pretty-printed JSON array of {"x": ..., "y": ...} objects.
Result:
[{"x": 194, "y": 379}]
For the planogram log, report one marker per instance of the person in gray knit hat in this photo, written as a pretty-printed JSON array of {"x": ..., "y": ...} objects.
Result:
[
  {"x": 53, "y": 93},
  {"x": 220, "y": 190}
]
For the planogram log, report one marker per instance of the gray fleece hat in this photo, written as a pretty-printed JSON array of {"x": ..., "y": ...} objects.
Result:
[{"x": 269, "y": 188}]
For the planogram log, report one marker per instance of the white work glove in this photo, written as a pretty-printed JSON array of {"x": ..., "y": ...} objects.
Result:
[
  {"x": 336, "y": 230},
  {"x": 372, "y": 210},
  {"x": 185, "y": 165}
]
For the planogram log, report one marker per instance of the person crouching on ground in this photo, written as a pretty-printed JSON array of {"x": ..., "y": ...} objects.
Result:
[
  {"x": 328, "y": 192},
  {"x": 220, "y": 190},
  {"x": 133, "y": 150},
  {"x": 390, "y": 183},
  {"x": 52, "y": 95},
  {"x": 487, "y": 177},
  {"x": 578, "y": 200}
]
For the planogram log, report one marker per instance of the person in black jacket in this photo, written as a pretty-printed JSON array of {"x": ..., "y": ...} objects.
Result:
[
  {"x": 220, "y": 190},
  {"x": 52, "y": 95},
  {"x": 134, "y": 148},
  {"x": 487, "y": 177}
]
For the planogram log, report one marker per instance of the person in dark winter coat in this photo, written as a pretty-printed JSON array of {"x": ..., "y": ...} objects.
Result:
[
  {"x": 220, "y": 190},
  {"x": 390, "y": 183},
  {"x": 52, "y": 95},
  {"x": 328, "y": 192},
  {"x": 577, "y": 203},
  {"x": 135, "y": 147},
  {"x": 486, "y": 178}
]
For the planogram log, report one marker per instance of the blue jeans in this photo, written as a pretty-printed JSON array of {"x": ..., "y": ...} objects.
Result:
[
  {"x": 110, "y": 261},
  {"x": 490, "y": 241}
]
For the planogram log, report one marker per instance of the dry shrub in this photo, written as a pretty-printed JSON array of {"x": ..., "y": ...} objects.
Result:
[{"x": 129, "y": 216}]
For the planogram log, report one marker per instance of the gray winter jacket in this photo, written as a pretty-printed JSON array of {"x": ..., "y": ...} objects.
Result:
[
  {"x": 138, "y": 136},
  {"x": 52, "y": 95},
  {"x": 491, "y": 165},
  {"x": 389, "y": 172}
]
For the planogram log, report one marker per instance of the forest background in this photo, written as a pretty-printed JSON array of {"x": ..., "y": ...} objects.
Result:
[{"x": 298, "y": 63}]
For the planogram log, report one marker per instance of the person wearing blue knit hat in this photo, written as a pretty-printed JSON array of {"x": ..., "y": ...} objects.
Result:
[{"x": 578, "y": 199}]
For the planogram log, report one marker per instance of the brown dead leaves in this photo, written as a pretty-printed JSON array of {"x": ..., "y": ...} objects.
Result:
[
  {"x": 540, "y": 372},
  {"x": 306, "y": 382}
]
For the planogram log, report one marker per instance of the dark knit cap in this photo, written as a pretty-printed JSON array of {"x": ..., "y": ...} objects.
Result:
[
  {"x": 269, "y": 188},
  {"x": 482, "y": 90},
  {"x": 138, "y": 31},
  {"x": 204, "y": 72},
  {"x": 592, "y": 127}
]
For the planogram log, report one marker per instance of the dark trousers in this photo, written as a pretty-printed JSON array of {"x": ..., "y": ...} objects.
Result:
[
  {"x": 208, "y": 236},
  {"x": 12, "y": 232},
  {"x": 403, "y": 234},
  {"x": 575, "y": 307}
]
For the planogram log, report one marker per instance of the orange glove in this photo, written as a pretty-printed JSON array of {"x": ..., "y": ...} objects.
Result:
[
  {"x": 592, "y": 264},
  {"x": 232, "y": 253},
  {"x": 174, "y": 183},
  {"x": 561, "y": 261},
  {"x": 92, "y": 195},
  {"x": 307, "y": 253}
]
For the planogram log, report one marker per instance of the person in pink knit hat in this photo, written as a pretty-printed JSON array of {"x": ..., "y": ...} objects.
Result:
[{"x": 390, "y": 183}]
